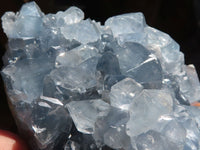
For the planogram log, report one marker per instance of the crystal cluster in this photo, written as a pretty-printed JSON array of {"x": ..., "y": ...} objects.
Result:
[{"x": 74, "y": 84}]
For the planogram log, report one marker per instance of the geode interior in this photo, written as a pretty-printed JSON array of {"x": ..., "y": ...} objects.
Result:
[{"x": 74, "y": 84}]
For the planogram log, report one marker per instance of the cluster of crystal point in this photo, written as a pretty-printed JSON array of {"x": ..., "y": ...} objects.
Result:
[{"x": 75, "y": 84}]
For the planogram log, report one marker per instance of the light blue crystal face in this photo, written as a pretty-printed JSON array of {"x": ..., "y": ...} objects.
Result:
[
  {"x": 75, "y": 84},
  {"x": 87, "y": 112}
]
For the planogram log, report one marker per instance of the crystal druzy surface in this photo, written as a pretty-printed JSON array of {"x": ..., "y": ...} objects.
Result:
[{"x": 74, "y": 84}]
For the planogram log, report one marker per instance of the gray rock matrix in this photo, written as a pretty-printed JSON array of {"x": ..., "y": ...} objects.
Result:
[{"x": 74, "y": 84}]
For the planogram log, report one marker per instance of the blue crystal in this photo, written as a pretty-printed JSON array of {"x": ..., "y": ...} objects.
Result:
[{"x": 73, "y": 83}]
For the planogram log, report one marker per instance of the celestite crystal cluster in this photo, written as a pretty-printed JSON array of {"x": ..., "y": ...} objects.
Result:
[{"x": 74, "y": 84}]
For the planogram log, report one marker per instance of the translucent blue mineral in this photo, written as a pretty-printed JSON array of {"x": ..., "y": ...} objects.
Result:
[{"x": 74, "y": 84}]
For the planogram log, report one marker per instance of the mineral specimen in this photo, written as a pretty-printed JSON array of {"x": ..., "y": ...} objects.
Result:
[{"x": 74, "y": 84}]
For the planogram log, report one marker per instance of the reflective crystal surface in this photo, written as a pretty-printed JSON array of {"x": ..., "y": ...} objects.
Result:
[
  {"x": 87, "y": 112},
  {"x": 76, "y": 84}
]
